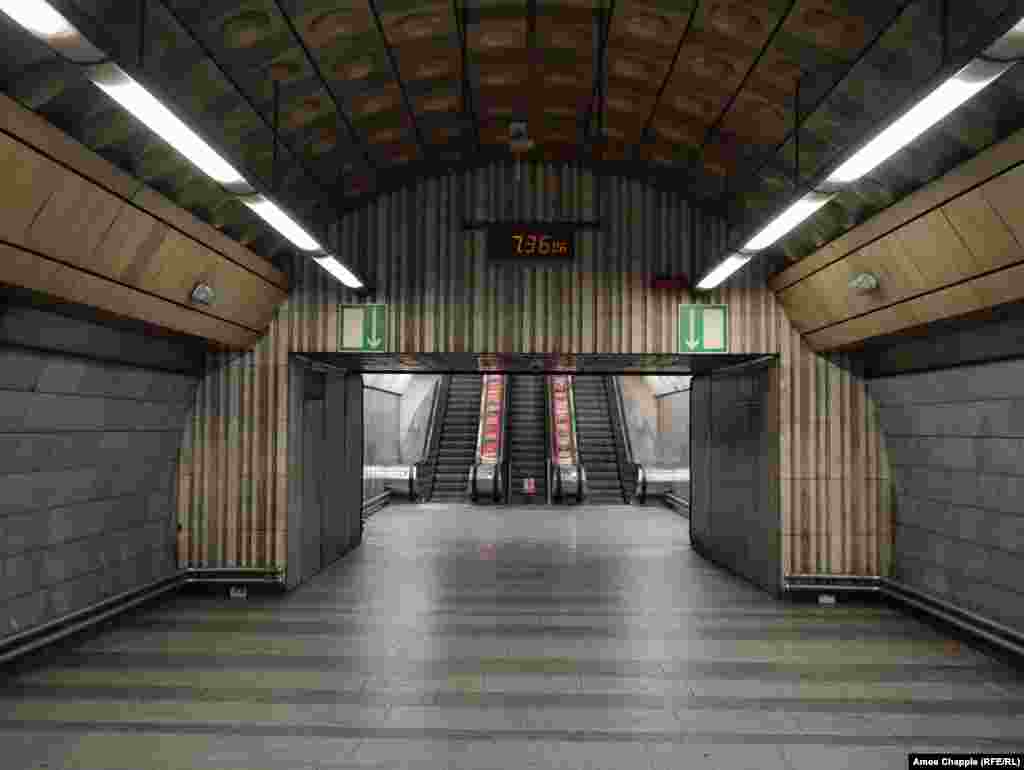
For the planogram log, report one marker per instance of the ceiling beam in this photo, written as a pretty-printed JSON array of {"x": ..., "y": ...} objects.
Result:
[
  {"x": 715, "y": 127},
  {"x": 531, "y": 54},
  {"x": 208, "y": 53},
  {"x": 324, "y": 84},
  {"x": 646, "y": 130},
  {"x": 461, "y": 17},
  {"x": 769, "y": 157},
  {"x": 420, "y": 143},
  {"x": 599, "y": 66},
  {"x": 987, "y": 32}
]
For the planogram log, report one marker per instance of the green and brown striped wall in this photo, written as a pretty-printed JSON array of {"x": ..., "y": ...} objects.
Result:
[{"x": 442, "y": 295}]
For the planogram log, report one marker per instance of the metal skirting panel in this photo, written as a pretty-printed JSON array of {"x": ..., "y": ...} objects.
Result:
[
  {"x": 835, "y": 478},
  {"x": 233, "y": 474},
  {"x": 993, "y": 632},
  {"x": 443, "y": 295}
]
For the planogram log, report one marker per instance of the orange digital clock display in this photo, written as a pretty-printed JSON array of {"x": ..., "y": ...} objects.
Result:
[{"x": 530, "y": 242}]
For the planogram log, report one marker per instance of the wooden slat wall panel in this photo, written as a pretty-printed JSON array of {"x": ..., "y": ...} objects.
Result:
[
  {"x": 982, "y": 167},
  {"x": 92, "y": 237},
  {"x": 936, "y": 264},
  {"x": 835, "y": 520},
  {"x": 443, "y": 295}
]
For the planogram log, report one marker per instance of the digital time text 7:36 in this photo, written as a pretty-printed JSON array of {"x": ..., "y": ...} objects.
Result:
[{"x": 531, "y": 243}]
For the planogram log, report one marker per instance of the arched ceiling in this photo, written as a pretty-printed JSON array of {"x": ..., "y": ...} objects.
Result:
[{"x": 695, "y": 95}]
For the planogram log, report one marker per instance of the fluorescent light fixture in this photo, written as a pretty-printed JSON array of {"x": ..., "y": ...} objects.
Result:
[
  {"x": 284, "y": 224},
  {"x": 339, "y": 271},
  {"x": 143, "y": 105},
  {"x": 42, "y": 21},
  {"x": 922, "y": 116},
  {"x": 39, "y": 18},
  {"x": 730, "y": 265},
  {"x": 787, "y": 220}
]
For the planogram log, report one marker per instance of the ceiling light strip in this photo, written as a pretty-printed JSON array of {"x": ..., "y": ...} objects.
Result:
[
  {"x": 274, "y": 216},
  {"x": 339, "y": 271},
  {"x": 127, "y": 92},
  {"x": 936, "y": 105}
]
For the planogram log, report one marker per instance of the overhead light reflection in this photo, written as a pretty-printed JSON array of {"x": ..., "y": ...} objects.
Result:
[
  {"x": 730, "y": 265},
  {"x": 339, "y": 271},
  {"x": 787, "y": 220},
  {"x": 270, "y": 213}
]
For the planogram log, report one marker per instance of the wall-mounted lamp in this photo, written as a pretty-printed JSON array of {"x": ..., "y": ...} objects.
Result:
[
  {"x": 864, "y": 282},
  {"x": 203, "y": 294}
]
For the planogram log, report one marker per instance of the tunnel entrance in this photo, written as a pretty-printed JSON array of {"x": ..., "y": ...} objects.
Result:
[{"x": 519, "y": 429}]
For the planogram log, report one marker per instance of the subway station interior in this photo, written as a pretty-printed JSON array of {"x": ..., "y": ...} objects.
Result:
[{"x": 511, "y": 383}]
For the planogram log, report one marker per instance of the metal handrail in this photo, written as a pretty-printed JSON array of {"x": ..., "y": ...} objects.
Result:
[
  {"x": 502, "y": 492},
  {"x": 549, "y": 434},
  {"x": 626, "y": 464},
  {"x": 438, "y": 413},
  {"x": 640, "y": 493},
  {"x": 620, "y": 408}
]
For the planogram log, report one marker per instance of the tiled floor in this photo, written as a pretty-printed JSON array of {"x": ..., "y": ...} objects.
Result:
[{"x": 511, "y": 638}]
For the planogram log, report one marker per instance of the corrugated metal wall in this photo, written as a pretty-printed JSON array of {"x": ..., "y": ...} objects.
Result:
[{"x": 442, "y": 295}]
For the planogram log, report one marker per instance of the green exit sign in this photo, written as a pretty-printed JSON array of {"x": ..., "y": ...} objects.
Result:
[
  {"x": 703, "y": 328},
  {"x": 363, "y": 327}
]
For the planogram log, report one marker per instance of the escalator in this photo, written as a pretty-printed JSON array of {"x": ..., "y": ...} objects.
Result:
[
  {"x": 457, "y": 442},
  {"x": 527, "y": 439},
  {"x": 601, "y": 446}
]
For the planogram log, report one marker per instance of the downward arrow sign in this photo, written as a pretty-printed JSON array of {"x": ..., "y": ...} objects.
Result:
[
  {"x": 691, "y": 340},
  {"x": 373, "y": 340}
]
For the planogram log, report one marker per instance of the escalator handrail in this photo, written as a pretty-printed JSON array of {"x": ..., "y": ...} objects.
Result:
[
  {"x": 503, "y": 458},
  {"x": 440, "y": 413},
  {"x": 620, "y": 409},
  {"x": 619, "y": 424},
  {"x": 549, "y": 433}
]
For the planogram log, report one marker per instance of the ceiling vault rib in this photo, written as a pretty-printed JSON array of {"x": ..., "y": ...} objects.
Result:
[
  {"x": 312, "y": 175},
  {"x": 398, "y": 78},
  {"x": 595, "y": 91},
  {"x": 715, "y": 127},
  {"x": 531, "y": 53},
  {"x": 324, "y": 84},
  {"x": 646, "y": 130},
  {"x": 462, "y": 29},
  {"x": 770, "y": 155}
]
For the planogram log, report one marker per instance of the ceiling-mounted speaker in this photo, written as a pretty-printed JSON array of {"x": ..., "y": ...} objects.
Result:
[
  {"x": 203, "y": 294},
  {"x": 864, "y": 282}
]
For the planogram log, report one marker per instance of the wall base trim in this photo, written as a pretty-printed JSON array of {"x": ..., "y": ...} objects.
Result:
[
  {"x": 993, "y": 632},
  {"x": 678, "y": 504},
  {"x": 53, "y": 631},
  {"x": 234, "y": 575},
  {"x": 375, "y": 503}
]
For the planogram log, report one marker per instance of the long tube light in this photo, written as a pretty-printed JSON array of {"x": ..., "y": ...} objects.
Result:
[
  {"x": 143, "y": 105},
  {"x": 730, "y": 265},
  {"x": 270, "y": 213},
  {"x": 787, "y": 220},
  {"x": 922, "y": 116},
  {"x": 943, "y": 100},
  {"x": 45, "y": 23},
  {"x": 339, "y": 271},
  {"x": 39, "y": 18}
]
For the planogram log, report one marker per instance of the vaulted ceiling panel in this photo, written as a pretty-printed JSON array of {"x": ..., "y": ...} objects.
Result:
[{"x": 705, "y": 89}]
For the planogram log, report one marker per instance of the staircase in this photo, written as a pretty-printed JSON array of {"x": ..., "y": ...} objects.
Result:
[
  {"x": 456, "y": 449},
  {"x": 527, "y": 435},
  {"x": 598, "y": 444}
]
